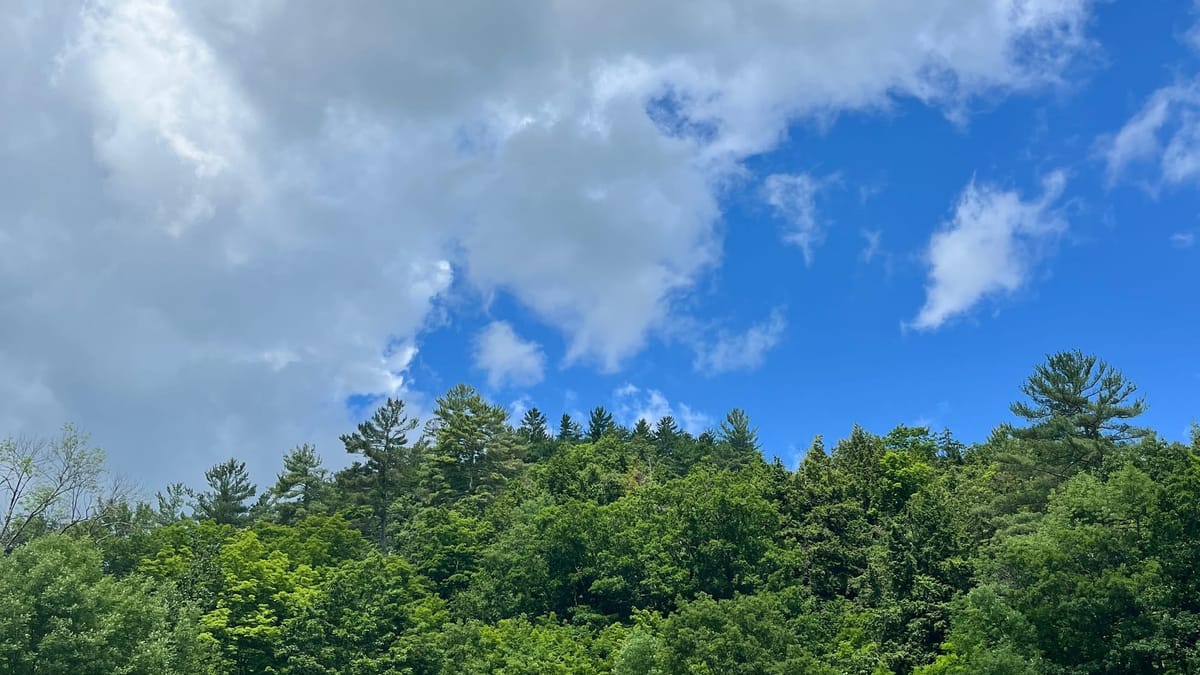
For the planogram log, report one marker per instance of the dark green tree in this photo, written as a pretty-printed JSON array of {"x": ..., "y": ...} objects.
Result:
[
  {"x": 642, "y": 431},
  {"x": 534, "y": 432},
  {"x": 1079, "y": 408},
  {"x": 475, "y": 451},
  {"x": 383, "y": 441},
  {"x": 600, "y": 423},
  {"x": 225, "y": 501},
  {"x": 569, "y": 430},
  {"x": 738, "y": 441},
  {"x": 533, "y": 427},
  {"x": 299, "y": 487}
]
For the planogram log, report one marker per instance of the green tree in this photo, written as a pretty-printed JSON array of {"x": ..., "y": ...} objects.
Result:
[
  {"x": 225, "y": 501},
  {"x": 1078, "y": 409},
  {"x": 533, "y": 427},
  {"x": 600, "y": 424},
  {"x": 569, "y": 431},
  {"x": 365, "y": 616},
  {"x": 62, "y": 614},
  {"x": 382, "y": 441},
  {"x": 48, "y": 484},
  {"x": 299, "y": 488},
  {"x": 738, "y": 440},
  {"x": 535, "y": 433},
  {"x": 475, "y": 451}
]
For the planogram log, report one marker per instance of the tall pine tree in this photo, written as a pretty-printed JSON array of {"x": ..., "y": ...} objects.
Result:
[
  {"x": 738, "y": 440},
  {"x": 382, "y": 441},
  {"x": 299, "y": 487},
  {"x": 225, "y": 501},
  {"x": 600, "y": 424},
  {"x": 475, "y": 450}
]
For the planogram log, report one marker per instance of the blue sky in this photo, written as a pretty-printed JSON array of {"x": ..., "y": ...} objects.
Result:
[
  {"x": 1115, "y": 284},
  {"x": 230, "y": 225}
]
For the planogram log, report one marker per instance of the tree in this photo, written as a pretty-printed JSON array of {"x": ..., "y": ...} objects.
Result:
[
  {"x": 600, "y": 423},
  {"x": 62, "y": 614},
  {"x": 475, "y": 450},
  {"x": 49, "y": 484},
  {"x": 171, "y": 503},
  {"x": 383, "y": 441},
  {"x": 225, "y": 503},
  {"x": 642, "y": 430},
  {"x": 300, "y": 485},
  {"x": 569, "y": 430},
  {"x": 1078, "y": 408},
  {"x": 533, "y": 427},
  {"x": 739, "y": 439},
  {"x": 535, "y": 433}
]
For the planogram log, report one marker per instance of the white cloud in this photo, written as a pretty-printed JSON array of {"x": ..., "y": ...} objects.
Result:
[
  {"x": 507, "y": 358},
  {"x": 793, "y": 197},
  {"x": 635, "y": 403},
  {"x": 874, "y": 245},
  {"x": 214, "y": 232},
  {"x": 741, "y": 351},
  {"x": 989, "y": 248},
  {"x": 1192, "y": 36},
  {"x": 1183, "y": 239},
  {"x": 1166, "y": 132}
]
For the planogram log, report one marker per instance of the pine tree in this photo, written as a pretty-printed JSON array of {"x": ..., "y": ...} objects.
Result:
[
  {"x": 299, "y": 486},
  {"x": 600, "y": 423},
  {"x": 225, "y": 503},
  {"x": 667, "y": 436},
  {"x": 535, "y": 433},
  {"x": 569, "y": 430},
  {"x": 475, "y": 450},
  {"x": 1078, "y": 410},
  {"x": 738, "y": 439},
  {"x": 642, "y": 430},
  {"x": 383, "y": 441},
  {"x": 533, "y": 427}
]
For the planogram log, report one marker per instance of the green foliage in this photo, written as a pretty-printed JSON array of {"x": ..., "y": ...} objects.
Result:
[
  {"x": 600, "y": 424},
  {"x": 383, "y": 441},
  {"x": 738, "y": 440},
  {"x": 1068, "y": 546},
  {"x": 48, "y": 485},
  {"x": 475, "y": 452},
  {"x": 229, "y": 488},
  {"x": 299, "y": 489},
  {"x": 535, "y": 433},
  {"x": 569, "y": 431},
  {"x": 62, "y": 614}
]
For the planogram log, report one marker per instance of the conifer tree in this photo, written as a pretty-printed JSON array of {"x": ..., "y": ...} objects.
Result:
[
  {"x": 299, "y": 486},
  {"x": 475, "y": 449},
  {"x": 1079, "y": 395},
  {"x": 738, "y": 439},
  {"x": 569, "y": 430},
  {"x": 534, "y": 432},
  {"x": 533, "y": 427},
  {"x": 600, "y": 423},
  {"x": 225, "y": 502},
  {"x": 383, "y": 441}
]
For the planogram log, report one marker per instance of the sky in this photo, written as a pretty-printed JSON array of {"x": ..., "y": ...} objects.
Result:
[{"x": 227, "y": 228}]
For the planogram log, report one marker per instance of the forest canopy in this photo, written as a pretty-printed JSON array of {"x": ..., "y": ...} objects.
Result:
[{"x": 1064, "y": 543}]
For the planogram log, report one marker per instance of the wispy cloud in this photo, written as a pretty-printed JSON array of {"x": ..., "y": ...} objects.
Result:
[
  {"x": 1165, "y": 132},
  {"x": 873, "y": 247},
  {"x": 746, "y": 350},
  {"x": 794, "y": 200}
]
